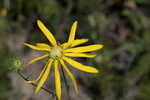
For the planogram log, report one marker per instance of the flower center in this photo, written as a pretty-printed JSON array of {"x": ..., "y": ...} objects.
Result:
[{"x": 56, "y": 52}]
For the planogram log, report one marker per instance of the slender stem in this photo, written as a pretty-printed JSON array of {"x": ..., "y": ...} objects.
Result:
[
  {"x": 26, "y": 79},
  {"x": 66, "y": 84}
]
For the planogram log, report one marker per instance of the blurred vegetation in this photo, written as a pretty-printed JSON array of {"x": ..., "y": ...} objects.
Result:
[
  {"x": 123, "y": 26},
  {"x": 5, "y": 85}
]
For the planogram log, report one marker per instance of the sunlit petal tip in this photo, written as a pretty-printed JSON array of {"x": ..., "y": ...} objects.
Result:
[
  {"x": 25, "y": 44},
  {"x": 96, "y": 71},
  {"x": 78, "y": 42},
  {"x": 94, "y": 55},
  {"x": 72, "y": 32},
  {"x": 80, "y": 66},
  {"x": 29, "y": 45},
  {"x": 93, "y": 70},
  {"x": 74, "y": 26},
  {"x": 86, "y": 40},
  {"x": 88, "y": 48},
  {"x": 28, "y": 82},
  {"x": 75, "y": 22},
  {"x": 39, "y": 21},
  {"x": 100, "y": 46},
  {"x": 35, "y": 47}
]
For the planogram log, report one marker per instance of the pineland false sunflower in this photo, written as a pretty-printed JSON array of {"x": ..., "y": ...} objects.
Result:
[{"x": 60, "y": 53}]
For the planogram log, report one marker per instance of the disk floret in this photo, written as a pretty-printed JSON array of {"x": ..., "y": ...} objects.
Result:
[{"x": 56, "y": 52}]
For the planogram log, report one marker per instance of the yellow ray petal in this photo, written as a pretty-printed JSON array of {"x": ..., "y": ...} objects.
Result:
[
  {"x": 36, "y": 59},
  {"x": 57, "y": 80},
  {"x": 43, "y": 45},
  {"x": 79, "y": 66},
  {"x": 47, "y": 33},
  {"x": 78, "y": 42},
  {"x": 33, "y": 81},
  {"x": 65, "y": 45},
  {"x": 74, "y": 43},
  {"x": 80, "y": 55},
  {"x": 36, "y": 47},
  {"x": 85, "y": 48},
  {"x": 72, "y": 32},
  {"x": 44, "y": 77},
  {"x": 70, "y": 75}
]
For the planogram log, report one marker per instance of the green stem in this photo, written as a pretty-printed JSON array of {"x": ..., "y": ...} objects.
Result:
[
  {"x": 66, "y": 84},
  {"x": 26, "y": 79}
]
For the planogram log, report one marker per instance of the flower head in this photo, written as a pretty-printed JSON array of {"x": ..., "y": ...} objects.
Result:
[
  {"x": 16, "y": 63},
  {"x": 59, "y": 54}
]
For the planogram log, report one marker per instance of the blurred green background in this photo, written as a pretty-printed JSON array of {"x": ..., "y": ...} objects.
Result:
[{"x": 122, "y": 26}]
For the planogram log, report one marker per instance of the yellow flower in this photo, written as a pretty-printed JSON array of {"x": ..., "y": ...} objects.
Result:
[
  {"x": 4, "y": 11},
  {"x": 60, "y": 53}
]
